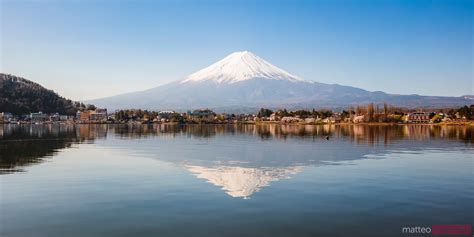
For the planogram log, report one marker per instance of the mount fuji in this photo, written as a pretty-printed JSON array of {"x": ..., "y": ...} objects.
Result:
[
  {"x": 244, "y": 80},
  {"x": 239, "y": 67}
]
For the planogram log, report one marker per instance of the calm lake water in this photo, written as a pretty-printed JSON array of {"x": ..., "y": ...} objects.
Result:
[{"x": 226, "y": 180}]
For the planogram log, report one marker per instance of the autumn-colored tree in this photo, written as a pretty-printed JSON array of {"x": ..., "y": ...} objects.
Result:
[{"x": 370, "y": 112}]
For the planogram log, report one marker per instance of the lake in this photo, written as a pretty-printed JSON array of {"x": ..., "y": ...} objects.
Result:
[{"x": 233, "y": 180}]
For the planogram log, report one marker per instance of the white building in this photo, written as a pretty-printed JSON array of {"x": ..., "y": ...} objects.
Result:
[
  {"x": 38, "y": 117},
  {"x": 288, "y": 119},
  {"x": 4, "y": 116},
  {"x": 359, "y": 119},
  {"x": 418, "y": 117}
]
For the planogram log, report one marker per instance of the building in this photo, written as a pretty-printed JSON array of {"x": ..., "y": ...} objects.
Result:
[
  {"x": 289, "y": 119},
  {"x": 201, "y": 115},
  {"x": 98, "y": 115},
  {"x": 54, "y": 117},
  {"x": 5, "y": 116},
  {"x": 166, "y": 115},
  {"x": 359, "y": 119},
  {"x": 418, "y": 117},
  {"x": 65, "y": 117},
  {"x": 60, "y": 118},
  {"x": 38, "y": 117},
  {"x": 274, "y": 117},
  {"x": 92, "y": 115},
  {"x": 83, "y": 116},
  {"x": 336, "y": 118}
]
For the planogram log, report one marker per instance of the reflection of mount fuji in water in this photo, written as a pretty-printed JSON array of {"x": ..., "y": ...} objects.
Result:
[
  {"x": 243, "y": 159},
  {"x": 240, "y": 159},
  {"x": 241, "y": 181}
]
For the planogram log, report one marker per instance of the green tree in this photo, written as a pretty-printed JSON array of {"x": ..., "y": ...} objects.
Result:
[
  {"x": 436, "y": 118},
  {"x": 302, "y": 113},
  {"x": 465, "y": 112},
  {"x": 264, "y": 113},
  {"x": 91, "y": 107},
  {"x": 283, "y": 112}
]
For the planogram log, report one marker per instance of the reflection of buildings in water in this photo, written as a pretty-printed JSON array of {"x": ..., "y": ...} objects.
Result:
[
  {"x": 240, "y": 181},
  {"x": 35, "y": 131},
  {"x": 363, "y": 134},
  {"x": 92, "y": 130},
  {"x": 27, "y": 144},
  {"x": 368, "y": 134}
]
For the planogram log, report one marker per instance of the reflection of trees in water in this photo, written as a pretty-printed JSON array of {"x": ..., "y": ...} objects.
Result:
[
  {"x": 364, "y": 134},
  {"x": 389, "y": 134},
  {"x": 16, "y": 154},
  {"x": 22, "y": 145},
  {"x": 133, "y": 131},
  {"x": 209, "y": 130}
]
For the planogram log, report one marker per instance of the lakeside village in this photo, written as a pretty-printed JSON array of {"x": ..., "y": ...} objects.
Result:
[{"x": 360, "y": 114}]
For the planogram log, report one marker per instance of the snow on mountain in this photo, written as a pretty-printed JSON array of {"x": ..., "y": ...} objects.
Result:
[
  {"x": 240, "y": 66},
  {"x": 244, "y": 80},
  {"x": 242, "y": 182}
]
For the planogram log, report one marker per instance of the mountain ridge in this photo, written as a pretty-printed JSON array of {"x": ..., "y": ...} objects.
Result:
[
  {"x": 19, "y": 96},
  {"x": 242, "y": 79}
]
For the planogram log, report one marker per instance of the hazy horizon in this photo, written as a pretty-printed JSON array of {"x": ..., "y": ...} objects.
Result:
[{"x": 99, "y": 48}]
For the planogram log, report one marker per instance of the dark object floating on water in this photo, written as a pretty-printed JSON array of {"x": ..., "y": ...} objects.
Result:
[{"x": 327, "y": 137}]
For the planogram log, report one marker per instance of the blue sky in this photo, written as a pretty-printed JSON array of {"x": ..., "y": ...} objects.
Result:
[{"x": 90, "y": 49}]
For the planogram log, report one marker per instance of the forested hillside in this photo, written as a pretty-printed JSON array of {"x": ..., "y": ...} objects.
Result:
[{"x": 19, "y": 96}]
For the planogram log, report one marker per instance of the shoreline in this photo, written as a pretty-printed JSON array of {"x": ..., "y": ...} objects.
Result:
[{"x": 459, "y": 123}]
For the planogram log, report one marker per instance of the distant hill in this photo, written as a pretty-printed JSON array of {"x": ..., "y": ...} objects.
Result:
[
  {"x": 19, "y": 96},
  {"x": 244, "y": 80}
]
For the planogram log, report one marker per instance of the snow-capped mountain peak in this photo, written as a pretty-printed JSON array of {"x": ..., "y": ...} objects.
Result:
[
  {"x": 244, "y": 80},
  {"x": 240, "y": 66},
  {"x": 240, "y": 181}
]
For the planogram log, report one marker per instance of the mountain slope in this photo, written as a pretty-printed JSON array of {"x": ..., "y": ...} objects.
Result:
[
  {"x": 20, "y": 96},
  {"x": 238, "y": 67},
  {"x": 243, "y": 79}
]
